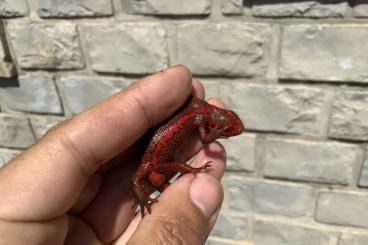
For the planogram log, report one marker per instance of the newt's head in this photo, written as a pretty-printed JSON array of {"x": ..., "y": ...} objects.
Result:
[
  {"x": 235, "y": 125},
  {"x": 229, "y": 121}
]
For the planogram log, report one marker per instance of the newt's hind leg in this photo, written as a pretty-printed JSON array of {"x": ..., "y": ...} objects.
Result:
[
  {"x": 167, "y": 170},
  {"x": 184, "y": 168},
  {"x": 143, "y": 188},
  {"x": 142, "y": 191}
]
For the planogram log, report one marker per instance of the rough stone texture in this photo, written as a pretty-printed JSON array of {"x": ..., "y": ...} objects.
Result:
[
  {"x": 74, "y": 8},
  {"x": 353, "y": 239},
  {"x": 174, "y": 7},
  {"x": 324, "y": 52},
  {"x": 13, "y": 8},
  {"x": 46, "y": 46},
  {"x": 127, "y": 48},
  {"x": 363, "y": 181},
  {"x": 7, "y": 69},
  {"x": 229, "y": 49},
  {"x": 235, "y": 187},
  {"x": 215, "y": 242},
  {"x": 278, "y": 108},
  {"x": 41, "y": 124},
  {"x": 296, "y": 79},
  {"x": 15, "y": 132},
  {"x": 240, "y": 152},
  {"x": 361, "y": 8},
  {"x": 275, "y": 233},
  {"x": 230, "y": 227},
  {"x": 30, "y": 93},
  {"x": 349, "y": 116},
  {"x": 343, "y": 208},
  {"x": 211, "y": 89},
  {"x": 324, "y": 8},
  {"x": 80, "y": 93},
  {"x": 232, "y": 6},
  {"x": 267, "y": 197},
  {"x": 6, "y": 156},
  {"x": 324, "y": 162}
]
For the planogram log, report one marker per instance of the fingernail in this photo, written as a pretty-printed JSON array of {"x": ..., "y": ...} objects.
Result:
[{"x": 206, "y": 193}]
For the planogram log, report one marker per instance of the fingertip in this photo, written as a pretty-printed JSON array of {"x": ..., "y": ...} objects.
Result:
[
  {"x": 198, "y": 89},
  {"x": 217, "y": 102},
  {"x": 179, "y": 218},
  {"x": 206, "y": 193},
  {"x": 180, "y": 72}
]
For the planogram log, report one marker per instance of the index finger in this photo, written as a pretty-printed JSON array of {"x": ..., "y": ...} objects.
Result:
[{"x": 45, "y": 180}]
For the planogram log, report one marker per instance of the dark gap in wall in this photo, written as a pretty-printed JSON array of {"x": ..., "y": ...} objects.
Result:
[
  {"x": 261, "y": 2},
  {"x": 9, "y": 82},
  {"x": 4, "y": 42},
  {"x": 6, "y": 49},
  {"x": 352, "y": 3},
  {"x": 247, "y": 3},
  {"x": 349, "y": 141},
  {"x": 334, "y": 83}
]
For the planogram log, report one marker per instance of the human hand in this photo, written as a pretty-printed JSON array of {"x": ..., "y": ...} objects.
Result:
[{"x": 73, "y": 185}]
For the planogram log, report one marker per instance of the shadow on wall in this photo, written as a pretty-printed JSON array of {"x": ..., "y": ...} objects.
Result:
[
  {"x": 7, "y": 69},
  {"x": 9, "y": 82},
  {"x": 260, "y": 2}
]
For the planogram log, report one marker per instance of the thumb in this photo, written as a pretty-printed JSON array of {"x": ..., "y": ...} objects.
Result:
[{"x": 185, "y": 214}]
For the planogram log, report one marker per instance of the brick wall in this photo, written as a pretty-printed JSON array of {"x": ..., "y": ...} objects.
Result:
[{"x": 296, "y": 71}]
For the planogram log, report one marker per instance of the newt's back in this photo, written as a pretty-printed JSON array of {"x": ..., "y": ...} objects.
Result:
[{"x": 168, "y": 138}]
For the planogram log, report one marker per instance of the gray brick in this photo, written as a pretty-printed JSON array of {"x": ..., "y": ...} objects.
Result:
[
  {"x": 41, "y": 124},
  {"x": 348, "y": 118},
  {"x": 324, "y": 52},
  {"x": 211, "y": 89},
  {"x": 278, "y": 108},
  {"x": 232, "y": 6},
  {"x": 277, "y": 233},
  {"x": 353, "y": 239},
  {"x": 15, "y": 132},
  {"x": 46, "y": 46},
  {"x": 30, "y": 93},
  {"x": 80, "y": 93},
  {"x": 229, "y": 49},
  {"x": 324, "y": 162},
  {"x": 173, "y": 7},
  {"x": 324, "y": 8},
  {"x": 361, "y": 8},
  {"x": 74, "y": 8},
  {"x": 363, "y": 181},
  {"x": 230, "y": 227},
  {"x": 127, "y": 48},
  {"x": 237, "y": 193},
  {"x": 13, "y": 8},
  {"x": 240, "y": 152},
  {"x": 343, "y": 208},
  {"x": 268, "y": 197},
  {"x": 216, "y": 242},
  {"x": 6, "y": 156}
]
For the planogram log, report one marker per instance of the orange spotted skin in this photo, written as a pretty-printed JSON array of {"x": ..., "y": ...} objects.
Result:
[{"x": 158, "y": 163}]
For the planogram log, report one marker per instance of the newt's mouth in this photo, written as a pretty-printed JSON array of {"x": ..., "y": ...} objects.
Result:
[{"x": 237, "y": 126}]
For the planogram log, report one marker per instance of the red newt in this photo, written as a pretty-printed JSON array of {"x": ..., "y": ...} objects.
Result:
[{"x": 158, "y": 164}]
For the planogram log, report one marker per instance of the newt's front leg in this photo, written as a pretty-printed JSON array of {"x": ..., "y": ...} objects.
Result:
[{"x": 208, "y": 135}]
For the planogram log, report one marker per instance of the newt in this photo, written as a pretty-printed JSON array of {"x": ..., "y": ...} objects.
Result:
[{"x": 158, "y": 164}]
